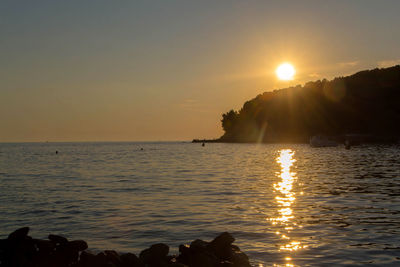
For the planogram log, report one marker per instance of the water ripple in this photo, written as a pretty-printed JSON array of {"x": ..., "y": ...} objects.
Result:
[{"x": 287, "y": 205}]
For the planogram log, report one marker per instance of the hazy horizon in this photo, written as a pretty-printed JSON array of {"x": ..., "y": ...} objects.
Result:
[{"x": 166, "y": 71}]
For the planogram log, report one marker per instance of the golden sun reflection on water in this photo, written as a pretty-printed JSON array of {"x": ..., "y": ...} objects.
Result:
[{"x": 285, "y": 197}]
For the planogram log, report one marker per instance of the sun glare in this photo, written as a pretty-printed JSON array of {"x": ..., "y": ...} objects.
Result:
[{"x": 285, "y": 71}]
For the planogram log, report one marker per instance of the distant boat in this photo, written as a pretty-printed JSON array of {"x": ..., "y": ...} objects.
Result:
[{"x": 322, "y": 141}]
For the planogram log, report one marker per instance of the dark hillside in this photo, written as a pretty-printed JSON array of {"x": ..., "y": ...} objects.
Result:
[{"x": 367, "y": 102}]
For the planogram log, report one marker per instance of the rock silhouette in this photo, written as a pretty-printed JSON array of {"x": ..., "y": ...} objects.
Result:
[{"x": 21, "y": 250}]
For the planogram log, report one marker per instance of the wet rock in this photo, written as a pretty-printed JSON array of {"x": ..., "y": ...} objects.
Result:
[
  {"x": 19, "y": 249},
  {"x": 145, "y": 255},
  {"x": 203, "y": 258},
  {"x": 176, "y": 264},
  {"x": 156, "y": 255},
  {"x": 240, "y": 259},
  {"x": 184, "y": 254},
  {"x": 113, "y": 257},
  {"x": 197, "y": 254},
  {"x": 19, "y": 234},
  {"x": 78, "y": 245},
  {"x": 235, "y": 248},
  {"x": 221, "y": 246},
  {"x": 87, "y": 259},
  {"x": 131, "y": 260},
  {"x": 44, "y": 255},
  {"x": 217, "y": 253},
  {"x": 199, "y": 244},
  {"x": 101, "y": 257},
  {"x": 3, "y": 243},
  {"x": 44, "y": 246},
  {"x": 223, "y": 239},
  {"x": 65, "y": 255},
  {"x": 183, "y": 248},
  {"x": 57, "y": 239},
  {"x": 159, "y": 250}
]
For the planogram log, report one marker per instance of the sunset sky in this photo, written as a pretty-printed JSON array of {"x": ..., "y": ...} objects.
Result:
[{"x": 167, "y": 70}]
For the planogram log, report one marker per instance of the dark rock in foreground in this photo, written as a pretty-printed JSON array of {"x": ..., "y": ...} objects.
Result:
[{"x": 21, "y": 250}]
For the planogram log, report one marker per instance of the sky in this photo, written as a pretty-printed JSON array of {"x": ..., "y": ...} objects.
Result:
[{"x": 167, "y": 70}]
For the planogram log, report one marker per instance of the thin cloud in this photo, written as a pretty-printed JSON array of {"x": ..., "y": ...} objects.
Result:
[
  {"x": 349, "y": 63},
  {"x": 314, "y": 75},
  {"x": 188, "y": 103},
  {"x": 388, "y": 63}
]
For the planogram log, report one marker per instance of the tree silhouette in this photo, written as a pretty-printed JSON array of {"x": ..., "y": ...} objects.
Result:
[{"x": 367, "y": 102}]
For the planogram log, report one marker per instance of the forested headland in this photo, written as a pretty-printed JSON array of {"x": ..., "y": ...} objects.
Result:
[{"x": 367, "y": 103}]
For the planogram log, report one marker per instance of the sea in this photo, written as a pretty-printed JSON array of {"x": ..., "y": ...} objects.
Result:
[{"x": 285, "y": 204}]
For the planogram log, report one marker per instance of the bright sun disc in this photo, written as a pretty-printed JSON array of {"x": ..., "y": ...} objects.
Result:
[{"x": 285, "y": 72}]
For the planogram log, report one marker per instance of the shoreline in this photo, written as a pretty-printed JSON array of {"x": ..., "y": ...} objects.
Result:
[
  {"x": 19, "y": 249},
  {"x": 354, "y": 139}
]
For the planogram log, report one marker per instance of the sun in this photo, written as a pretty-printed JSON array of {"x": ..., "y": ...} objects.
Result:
[{"x": 285, "y": 71}]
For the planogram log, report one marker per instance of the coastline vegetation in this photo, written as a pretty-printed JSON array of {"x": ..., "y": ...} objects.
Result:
[{"x": 365, "y": 103}]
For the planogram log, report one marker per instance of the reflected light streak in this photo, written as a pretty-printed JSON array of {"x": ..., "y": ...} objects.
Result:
[
  {"x": 285, "y": 199},
  {"x": 292, "y": 246}
]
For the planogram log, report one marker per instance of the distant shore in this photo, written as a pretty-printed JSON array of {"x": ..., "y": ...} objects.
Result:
[
  {"x": 354, "y": 139},
  {"x": 207, "y": 141}
]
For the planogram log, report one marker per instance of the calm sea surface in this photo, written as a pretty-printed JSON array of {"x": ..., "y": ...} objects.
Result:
[{"x": 289, "y": 205}]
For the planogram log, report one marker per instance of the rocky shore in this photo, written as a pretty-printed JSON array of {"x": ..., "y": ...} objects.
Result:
[{"x": 21, "y": 250}]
